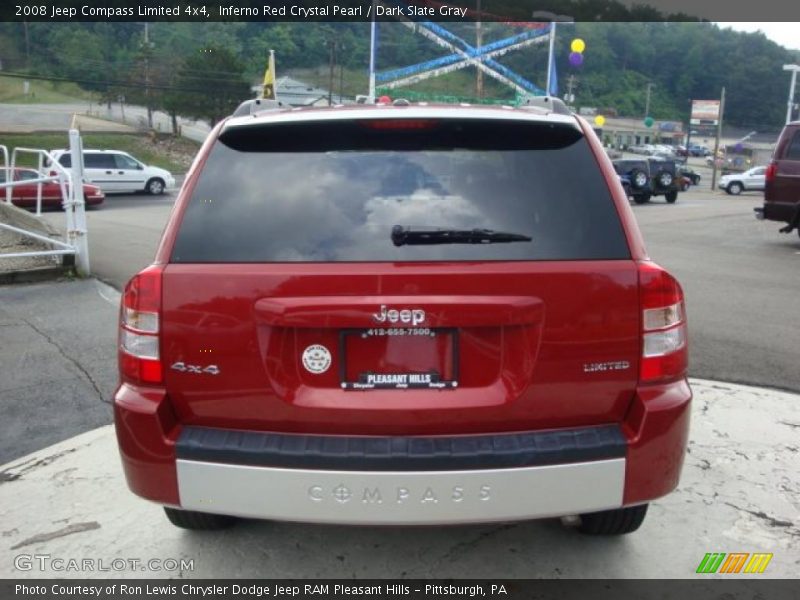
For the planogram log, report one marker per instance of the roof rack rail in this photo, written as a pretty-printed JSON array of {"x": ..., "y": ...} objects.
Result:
[
  {"x": 551, "y": 103},
  {"x": 254, "y": 105}
]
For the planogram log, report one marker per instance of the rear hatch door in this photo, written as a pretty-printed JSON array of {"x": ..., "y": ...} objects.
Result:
[{"x": 386, "y": 276}]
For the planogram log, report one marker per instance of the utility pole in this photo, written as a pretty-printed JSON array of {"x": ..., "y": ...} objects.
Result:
[
  {"x": 570, "y": 83},
  {"x": 341, "y": 77},
  {"x": 647, "y": 102},
  {"x": 147, "y": 75},
  {"x": 478, "y": 44},
  {"x": 27, "y": 45},
  {"x": 716, "y": 142},
  {"x": 372, "y": 41},
  {"x": 332, "y": 63}
]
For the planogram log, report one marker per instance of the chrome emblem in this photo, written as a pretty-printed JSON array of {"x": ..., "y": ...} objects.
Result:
[
  {"x": 182, "y": 367},
  {"x": 599, "y": 367},
  {"x": 412, "y": 316}
]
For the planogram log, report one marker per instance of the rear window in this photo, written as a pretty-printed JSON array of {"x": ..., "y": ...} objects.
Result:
[
  {"x": 334, "y": 191},
  {"x": 793, "y": 151}
]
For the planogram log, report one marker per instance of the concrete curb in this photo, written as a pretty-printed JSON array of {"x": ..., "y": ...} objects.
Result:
[
  {"x": 738, "y": 493},
  {"x": 34, "y": 275}
]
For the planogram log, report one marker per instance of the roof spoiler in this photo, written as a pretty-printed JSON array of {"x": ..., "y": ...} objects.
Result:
[
  {"x": 551, "y": 103},
  {"x": 256, "y": 105}
]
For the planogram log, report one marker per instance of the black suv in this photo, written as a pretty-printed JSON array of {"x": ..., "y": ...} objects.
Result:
[{"x": 644, "y": 178}]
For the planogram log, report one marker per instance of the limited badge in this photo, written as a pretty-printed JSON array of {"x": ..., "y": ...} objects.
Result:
[{"x": 316, "y": 359}]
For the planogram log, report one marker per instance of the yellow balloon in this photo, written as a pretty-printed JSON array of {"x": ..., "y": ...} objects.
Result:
[
  {"x": 599, "y": 120},
  {"x": 577, "y": 45}
]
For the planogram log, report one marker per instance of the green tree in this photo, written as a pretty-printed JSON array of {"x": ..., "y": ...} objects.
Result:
[{"x": 209, "y": 85}]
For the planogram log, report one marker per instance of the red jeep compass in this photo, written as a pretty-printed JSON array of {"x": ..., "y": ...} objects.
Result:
[{"x": 403, "y": 315}]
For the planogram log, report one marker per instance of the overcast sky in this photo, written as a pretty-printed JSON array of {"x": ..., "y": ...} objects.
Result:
[{"x": 785, "y": 34}]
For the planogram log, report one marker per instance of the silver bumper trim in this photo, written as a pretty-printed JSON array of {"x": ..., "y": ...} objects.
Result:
[{"x": 394, "y": 498}]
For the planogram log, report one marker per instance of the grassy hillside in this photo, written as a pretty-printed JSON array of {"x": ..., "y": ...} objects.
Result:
[{"x": 41, "y": 92}]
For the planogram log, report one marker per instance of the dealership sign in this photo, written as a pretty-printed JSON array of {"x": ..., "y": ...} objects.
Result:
[{"x": 705, "y": 112}]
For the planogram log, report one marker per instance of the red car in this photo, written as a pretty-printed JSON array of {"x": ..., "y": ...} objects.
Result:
[
  {"x": 24, "y": 196},
  {"x": 403, "y": 315}
]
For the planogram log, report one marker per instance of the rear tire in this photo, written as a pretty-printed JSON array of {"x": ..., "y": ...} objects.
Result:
[
  {"x": 671, "y": 197},
  {"x": 189, "y": 519},
  {"x": 613, "y": 522},
  {"x": 642, "y": 199},
  {"x": 734, "y": 188}
]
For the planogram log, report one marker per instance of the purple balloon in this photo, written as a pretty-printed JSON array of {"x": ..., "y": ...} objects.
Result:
[{"x": 575, "y": 59}]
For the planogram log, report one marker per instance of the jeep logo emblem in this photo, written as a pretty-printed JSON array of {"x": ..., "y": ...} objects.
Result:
[{"x": 412, "y": 316}]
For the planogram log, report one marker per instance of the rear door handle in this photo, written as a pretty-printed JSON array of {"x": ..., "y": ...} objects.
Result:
[
  {"x": 120, "y": 172},
  {"x": 108, "y": 172}
]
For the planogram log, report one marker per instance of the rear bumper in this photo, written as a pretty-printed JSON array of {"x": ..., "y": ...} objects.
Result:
[
  {"x": 392, "y": 498},
  {"x": 404, "y": 480},
  {"x": 777, "y": 211}
]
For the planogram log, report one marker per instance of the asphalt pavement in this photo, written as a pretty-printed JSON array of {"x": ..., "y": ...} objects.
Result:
[{"x": 57, "y": 362}]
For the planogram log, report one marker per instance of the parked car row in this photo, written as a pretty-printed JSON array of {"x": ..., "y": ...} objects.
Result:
[{"x": 654, "y": 150}]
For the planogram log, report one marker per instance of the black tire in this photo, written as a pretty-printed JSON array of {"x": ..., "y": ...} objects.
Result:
[
  {"x": 671, "y": 197},
  {"x": 189, "y": 519},
  {"x": 735, "y": 188},
  {"x": 155, "y": 186},
  {"x": 642, "y": 198},
  {"x": 613, "y": 522}
]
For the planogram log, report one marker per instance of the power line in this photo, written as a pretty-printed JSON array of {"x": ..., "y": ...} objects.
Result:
[{"x": 123, "y": 84}]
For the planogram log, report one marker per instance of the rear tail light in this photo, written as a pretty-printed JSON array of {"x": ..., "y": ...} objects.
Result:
[
  {"x": 140, "y": 316},
  {"x": 772, "y": 168},
  {"x": 665, "y": 352}
]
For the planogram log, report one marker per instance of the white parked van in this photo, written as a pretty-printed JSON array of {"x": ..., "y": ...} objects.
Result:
[{"x": 115, "y": 171}]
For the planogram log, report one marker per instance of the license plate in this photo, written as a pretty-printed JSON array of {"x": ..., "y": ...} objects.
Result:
[{"x": 398, "y": 358}]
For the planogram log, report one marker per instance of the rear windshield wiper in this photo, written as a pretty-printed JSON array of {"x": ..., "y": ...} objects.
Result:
[{"x": 416, "y": 236}]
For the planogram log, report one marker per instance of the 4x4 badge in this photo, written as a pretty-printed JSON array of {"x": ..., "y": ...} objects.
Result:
[{"x": 182, "y": 367}]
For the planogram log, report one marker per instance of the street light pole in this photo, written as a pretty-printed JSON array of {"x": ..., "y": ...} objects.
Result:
[
  {"x": 147, "y": 76},
  {"x": 794, "y": 69}
]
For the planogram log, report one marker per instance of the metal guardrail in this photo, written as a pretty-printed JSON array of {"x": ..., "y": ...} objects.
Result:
[{"x": 72, "y": 201}]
